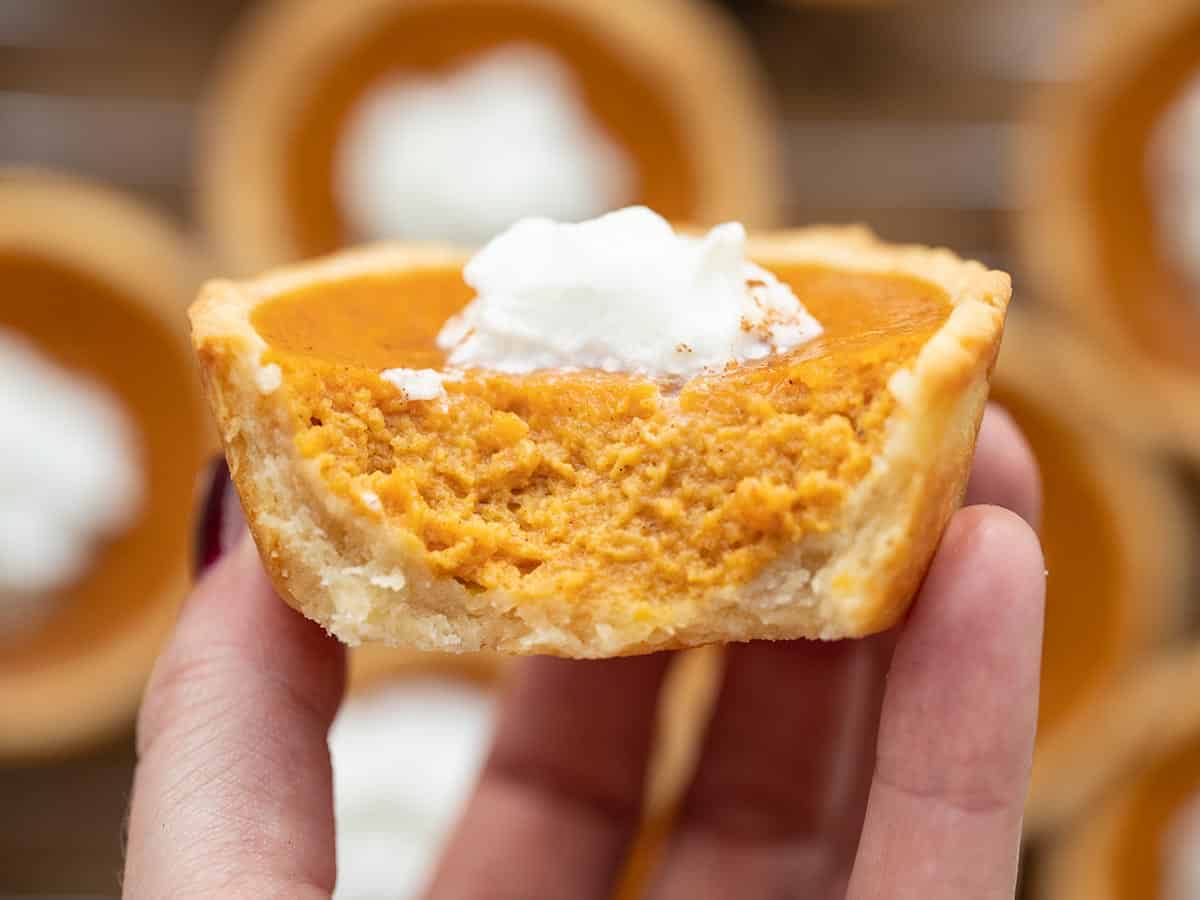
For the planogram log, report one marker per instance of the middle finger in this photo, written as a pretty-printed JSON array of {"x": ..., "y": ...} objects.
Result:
[{"x": 779, "y": 768}]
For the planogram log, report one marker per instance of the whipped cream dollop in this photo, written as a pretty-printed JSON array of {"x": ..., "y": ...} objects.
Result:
[
  {"x": 419, "y": 384},
  {"x": 624, "y": 293},
  {"x": 70, "y": 478},
  {"x": 405, "y": 759},
  {"x": 462, "y": 157},
  {"x": 1174, "y": 161}
]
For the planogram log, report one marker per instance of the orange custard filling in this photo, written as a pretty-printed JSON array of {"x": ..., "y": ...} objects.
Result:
[{"x": 586, "y": 484}]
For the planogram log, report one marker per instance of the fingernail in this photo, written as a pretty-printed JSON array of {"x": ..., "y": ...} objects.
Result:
[{"x": 220, "y": 522}]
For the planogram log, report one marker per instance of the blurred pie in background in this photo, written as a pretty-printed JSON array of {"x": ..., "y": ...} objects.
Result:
[
  {"x": 337, "y": 123},
  {"x": 410, "y": 740},
  {"x": 104, "y": 434},
  {"x": 1115, "y": 537},
  {"x": 406, "y": 748},
  {"x": 1112, "y": 175},
  {"x": 1142, "y": 840}
]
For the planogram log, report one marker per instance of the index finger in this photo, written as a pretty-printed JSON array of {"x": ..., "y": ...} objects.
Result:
[
  {"x": 956, "y": 736},
  {"x": 233, "y": 790}
]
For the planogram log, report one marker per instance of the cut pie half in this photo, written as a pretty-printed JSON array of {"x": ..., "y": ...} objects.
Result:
[{"x": 592, "y": 514}]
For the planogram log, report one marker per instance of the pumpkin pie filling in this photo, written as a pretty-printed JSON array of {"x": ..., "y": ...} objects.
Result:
[
  {"x": 416, "y": 40},
  {"x": 582, "y": 484}
]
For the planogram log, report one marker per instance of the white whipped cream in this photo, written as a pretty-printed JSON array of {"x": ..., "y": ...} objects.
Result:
[
  {"x": 621, "y": 293},
  {"x": 1181, "y": 854},
  {"x": 404, "y": 760},
  {"x": 462, "y": 157},
  {"x": 1174, "y": 162},
  {"x": 268, "y": 378},
  {"x": 69, "y": 478},
  {"x": 420, "y": 384}
]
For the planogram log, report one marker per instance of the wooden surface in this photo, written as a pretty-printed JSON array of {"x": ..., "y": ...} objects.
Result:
[{"x": 901, "y": 116}]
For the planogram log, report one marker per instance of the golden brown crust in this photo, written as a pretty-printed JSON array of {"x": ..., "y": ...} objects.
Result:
[
  {"x": 1040, "y": 365},
  {"x": 1058, "y": 236},
  {"x": 56, "y": 707},
  {"x": 852, "y": 582},
  {"x": 710, "y": 76}
]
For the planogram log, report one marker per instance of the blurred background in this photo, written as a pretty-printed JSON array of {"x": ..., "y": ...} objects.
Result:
[{"x": 148, "y": 144}]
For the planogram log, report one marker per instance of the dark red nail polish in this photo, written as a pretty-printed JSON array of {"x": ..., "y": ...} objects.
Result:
[{"x": 219, "y": 523}]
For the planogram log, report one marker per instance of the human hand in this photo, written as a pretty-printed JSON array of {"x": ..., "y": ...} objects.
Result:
[{"x": 890, "y": 767}]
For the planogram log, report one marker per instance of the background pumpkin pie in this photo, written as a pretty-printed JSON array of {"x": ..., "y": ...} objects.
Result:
[
  {"x": 1116, "y": 585},
  {"x": 436, "y": 712},
  {"x": 1110, "y": 170},
  {"x": 1142, "y": 839},
  {"x": 669, "y": 82},
  {"x": 97, "y": 285},
  {"x": 406, "y": 747}
]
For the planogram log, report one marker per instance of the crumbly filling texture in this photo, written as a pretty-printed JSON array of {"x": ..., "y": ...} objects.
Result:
[{"x": 585, "y": 484}]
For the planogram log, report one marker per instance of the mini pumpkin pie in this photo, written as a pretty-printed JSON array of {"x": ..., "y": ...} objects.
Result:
[
  {"x": 405, "y": 749},
  {"x": 1112, "y": 175},
  {"x": 104, "y": 435},
  {"x": 395, "y": 809},
  {"x": 338, "y": 123},
  {"x": 1142, "y": 839},
  {"x": 571, "y": 507},
  {"x": 434, "y": 712},
  {"x": 1113, "y": 532}
]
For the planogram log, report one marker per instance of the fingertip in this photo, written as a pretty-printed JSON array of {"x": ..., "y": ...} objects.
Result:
[
  {"x": 1005, "y": 471},
  {"x": 988, "y": 526},
  {"x": 957, "y": 730},
  {"x": 999, "y": 547},
  {"x": 980, "y": 610}
]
